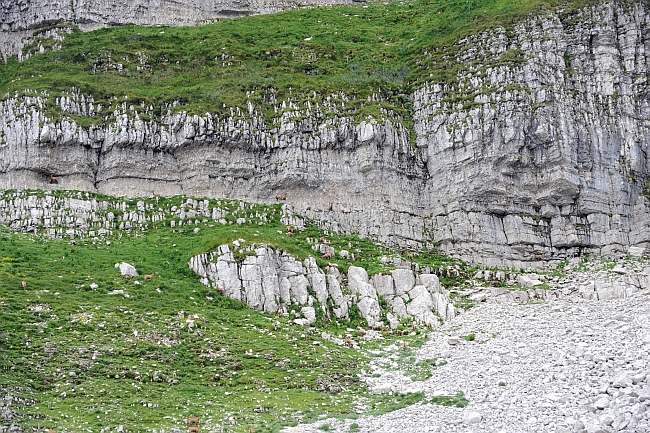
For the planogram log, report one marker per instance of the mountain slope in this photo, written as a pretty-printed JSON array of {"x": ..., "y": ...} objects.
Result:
[{"x": 497, "y": 131}]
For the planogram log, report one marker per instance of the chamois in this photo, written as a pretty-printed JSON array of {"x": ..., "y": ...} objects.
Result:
[
  {"x": 326, "y": 256},
  {"x": 24, "y": 283},
  {"x": 193, "y": 420},
  {"x": 149, "y": 276},
  {"x": 54, "y": 179}
]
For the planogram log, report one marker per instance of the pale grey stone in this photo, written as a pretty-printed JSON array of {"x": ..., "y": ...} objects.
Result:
[
  {"x": 472, "y": 417},
  {"x": 404, "y": 280},
  {"x": 393, "y": 321},
  {"x": 636, "y": 252},
  {"x": 309, "y": 315},
  {"x": 383, "y": 285},
  {"x": 528, "y": 281},
  {"x": 622, "y": 381},
  {"x": 128, "y": 269},
  {"x": 421, "y": 306},
  {"x": 602, "y": 402}
]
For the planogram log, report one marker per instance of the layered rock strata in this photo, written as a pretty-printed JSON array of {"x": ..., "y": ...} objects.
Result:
[
  {"x": 84, "y": 216},
  {"x": 536, "y": 150},
  {"x": 273, "y": 281}
]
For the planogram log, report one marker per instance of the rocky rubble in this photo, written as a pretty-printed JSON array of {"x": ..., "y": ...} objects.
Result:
[
  {"x": 588, "y": 279},
  {"x": 566, "y": 365},
  {"x": 273, "y": 281}
]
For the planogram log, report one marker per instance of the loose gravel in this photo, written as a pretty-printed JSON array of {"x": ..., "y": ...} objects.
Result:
[{"x": 567, "y": 365}]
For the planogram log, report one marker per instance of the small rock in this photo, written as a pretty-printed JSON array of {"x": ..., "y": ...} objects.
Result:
[
  {"x": 453, "y": 341},
  {"x": 622, "y": 381},
  {"x": 526, "y": 281},
  {"x": 472, "y": 418},
  {"x": 127, "y": 269},
  {"x": 621, "y": 421},
  {"x": 620, "y": 270},
  {"x": 636, "y": 252},
  {"x": 382, "y": 388},
  {"x": 602, "y": 402}
]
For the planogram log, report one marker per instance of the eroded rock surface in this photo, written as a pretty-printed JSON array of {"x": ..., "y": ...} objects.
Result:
[
  {"x": 273, "y": 281},
  {"x": 535, "y": 151}
]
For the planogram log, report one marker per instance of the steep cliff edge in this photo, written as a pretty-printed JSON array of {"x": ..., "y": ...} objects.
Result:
[{"x": 536, "y": 148}]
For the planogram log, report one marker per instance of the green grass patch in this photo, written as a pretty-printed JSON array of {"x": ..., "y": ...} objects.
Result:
[
  {"x": 150, "y": 353},
  {"x": 458, "y": 400}
]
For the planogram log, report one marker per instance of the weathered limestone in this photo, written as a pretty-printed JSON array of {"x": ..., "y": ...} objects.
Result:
[
  {"x": 274, "y": 282},
  {"x": 544, "y": 158}
]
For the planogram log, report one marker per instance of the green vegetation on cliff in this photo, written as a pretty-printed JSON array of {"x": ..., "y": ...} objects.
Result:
[{"x": 381, "y": 48}]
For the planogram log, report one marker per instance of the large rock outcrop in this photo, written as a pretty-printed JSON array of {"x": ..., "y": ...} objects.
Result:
[
  {"x": 273, "y": 281},
  {"x": 536, "y": 150}
]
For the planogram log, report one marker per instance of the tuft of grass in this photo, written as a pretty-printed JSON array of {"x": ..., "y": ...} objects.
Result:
[
  {"x": 469, "y": 337},
  {"x": 458, "y": 400}
]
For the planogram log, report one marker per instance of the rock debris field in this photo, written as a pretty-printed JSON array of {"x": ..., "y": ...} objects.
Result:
[{"x": 565, "y": 365}]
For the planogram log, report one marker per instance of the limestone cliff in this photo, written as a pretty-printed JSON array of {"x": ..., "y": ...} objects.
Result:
[{"x": 543, "y": 157}]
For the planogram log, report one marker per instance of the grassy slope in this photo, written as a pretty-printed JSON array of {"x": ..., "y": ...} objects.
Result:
[
  {"x": 230, "y": 366},
  {"x": 359, "y": 50}
]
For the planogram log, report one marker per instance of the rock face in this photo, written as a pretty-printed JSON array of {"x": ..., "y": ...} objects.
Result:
[
  {"x": 536, "y": 151},
  {"x": 19, "y": 19},
  {"x": 276, "y": 282}
]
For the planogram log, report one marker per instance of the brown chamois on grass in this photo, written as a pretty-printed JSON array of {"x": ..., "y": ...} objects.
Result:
[{"x": 149, "y": 276}]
